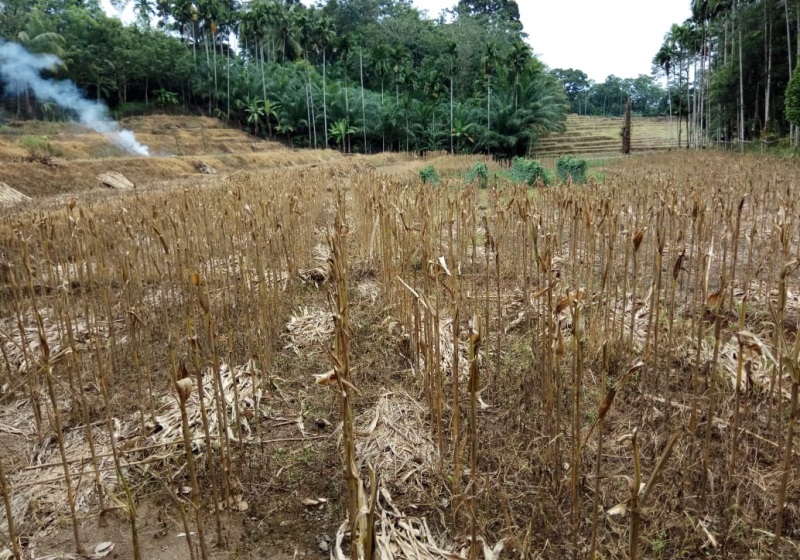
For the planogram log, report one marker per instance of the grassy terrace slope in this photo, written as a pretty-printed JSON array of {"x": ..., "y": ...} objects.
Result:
[
  {"x": 601, "y": 136},
  {"x": 176, "y": 143}
]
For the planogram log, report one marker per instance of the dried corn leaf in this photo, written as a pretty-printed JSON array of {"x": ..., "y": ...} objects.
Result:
[
  {"x": 619, "y": 509},
  {"x": 308, "y": 329}
]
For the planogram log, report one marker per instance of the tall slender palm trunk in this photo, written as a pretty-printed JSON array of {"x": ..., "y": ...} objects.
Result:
[
  {"x": 324, "y": 98},
  {"x": 363, "y": 106}
]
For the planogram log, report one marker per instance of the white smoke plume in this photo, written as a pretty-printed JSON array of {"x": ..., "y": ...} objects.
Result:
[{"x": 21, "y": 70}]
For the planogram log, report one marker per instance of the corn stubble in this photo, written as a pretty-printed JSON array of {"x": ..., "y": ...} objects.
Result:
[{"x": 603, "y": 371}]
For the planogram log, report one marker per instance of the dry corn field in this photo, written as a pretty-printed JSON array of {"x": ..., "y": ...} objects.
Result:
[{"x": 341, "y": 362}]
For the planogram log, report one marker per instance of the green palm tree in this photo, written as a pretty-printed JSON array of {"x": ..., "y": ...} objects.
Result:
[
  {"x": 286, "y": 26},
  {"x": 269, "y": 110},
  {"x": 664, "y": 59},
  {"x": 284, "y": 129},
  {"x": 462, "y": 132},
  {"x": 38, "y": 42},
  {"x": 397, "y": 55},
  {"x": 42, "y": 43},
  {"x": 517, "y": 60},
  {"x": 254, "y": 110},
  {"x": 339, "y": 132}
]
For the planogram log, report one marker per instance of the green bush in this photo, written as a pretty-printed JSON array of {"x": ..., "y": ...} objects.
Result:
[
  {"x": 528, "y": 171},
  {"x": 480, "y": 172},
  {"x": 165, "y": 97},
  {"x": 39, "y": 146},
  {"x": 568, "y": 167},
  {"x": 428, "y": 175}
]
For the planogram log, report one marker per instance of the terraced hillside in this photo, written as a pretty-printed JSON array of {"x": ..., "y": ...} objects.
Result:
[
  {"x": 47, "y": 158},
  {"x": 601, "y": 136}
]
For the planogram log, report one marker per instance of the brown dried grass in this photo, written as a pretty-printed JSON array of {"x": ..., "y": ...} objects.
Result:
[{"x": 550, "y": 274}]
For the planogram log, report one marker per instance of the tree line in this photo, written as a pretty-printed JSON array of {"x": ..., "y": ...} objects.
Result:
[
  {"x": 360, "y": 75},
  {"x": 609, "y": 97},
  {"x": 728, "y": 67}
]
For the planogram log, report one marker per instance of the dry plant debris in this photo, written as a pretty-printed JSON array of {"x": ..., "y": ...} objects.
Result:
[
  {"x": 309, "y": 330},
  {"x": 318, "y": 272},
  {"x": 38, "y": 492},
  {"x": 10, "y": 197},
  {"x": 393, "y": 439},
  {"x": 115, "y": 180},
  {"x": 204, "y": 168},
  {"x": 661, "y": 301},
  {"x": 22, "y": 345}
]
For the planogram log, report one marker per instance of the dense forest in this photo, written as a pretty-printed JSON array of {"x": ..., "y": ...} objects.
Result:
[
  {"x": 360, "y": 75},
  {"x": 368, "y": 75},
  {"x": 728, "y": 68}
]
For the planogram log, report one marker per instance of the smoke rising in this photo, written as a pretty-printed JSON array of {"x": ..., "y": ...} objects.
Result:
[{"x": 21, "y": 70}]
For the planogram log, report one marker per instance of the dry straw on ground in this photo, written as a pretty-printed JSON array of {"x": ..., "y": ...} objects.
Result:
[
  {"x": 150, "y": 448},
  {"x": 10, "y": 197},
  {"x": 597, "y": 321}
]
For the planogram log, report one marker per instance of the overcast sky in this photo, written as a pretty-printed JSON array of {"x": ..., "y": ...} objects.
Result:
[{"x": 600, "y": 37}]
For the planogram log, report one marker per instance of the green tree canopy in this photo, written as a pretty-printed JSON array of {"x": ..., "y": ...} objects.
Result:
[{"x": 277, "y": 66}]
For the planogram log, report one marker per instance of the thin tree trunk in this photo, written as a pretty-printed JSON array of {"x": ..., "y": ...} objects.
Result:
[
  {"x": 308, "y": 112},
  {"x": 324, "y": 98},
  {"x": 725, "y": 45},
  {"x": 363, "y": 106},
  {"x": 263, "y": 73},
  {"x": 669, "y": 102},
  {"x": 228, "y": 71},
  {"x": 347, "y": 108},
  {"x": 789, "y": 54},
  {"x": 741, "y": 92},
  {"x": 214, "y": 59},
  {"x": 313, "y": 114},
  {"x": 689, "y": 108},
  {"x": 451, "y": 112},
  {"x": 768, "y": 34},
  {"x": 194, "y": 45},
  {"x": 208, "y": 73},
  {"x": 680, "y": 105},
  {"x": 488, "y": 104},
  {"x": 702, "y": 99}
]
